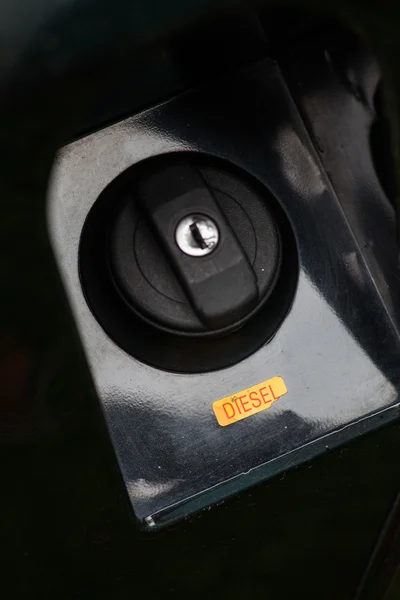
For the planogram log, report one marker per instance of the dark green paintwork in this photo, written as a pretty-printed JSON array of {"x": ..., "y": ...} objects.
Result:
[{"x": 65, "y": 524}]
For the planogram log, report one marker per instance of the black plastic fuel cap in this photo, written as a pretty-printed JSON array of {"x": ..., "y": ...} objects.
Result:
[{"x": 194, "y": 250}]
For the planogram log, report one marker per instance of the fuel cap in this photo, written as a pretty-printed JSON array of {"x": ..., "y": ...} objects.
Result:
[
  {"x": 187, "y": 262},
  {"x": 194, "y": 250}
]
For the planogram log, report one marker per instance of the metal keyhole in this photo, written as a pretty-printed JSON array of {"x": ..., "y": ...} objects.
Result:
[{"x": 197, "y": 235}]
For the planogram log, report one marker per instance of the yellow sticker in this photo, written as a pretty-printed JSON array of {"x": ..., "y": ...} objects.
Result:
[{"x": 249, "y": 402}]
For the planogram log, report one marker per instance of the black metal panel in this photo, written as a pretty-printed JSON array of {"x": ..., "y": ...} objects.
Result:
[
  {"x": 337, "y": 85},
  {"x": 168, "y": 443}
]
